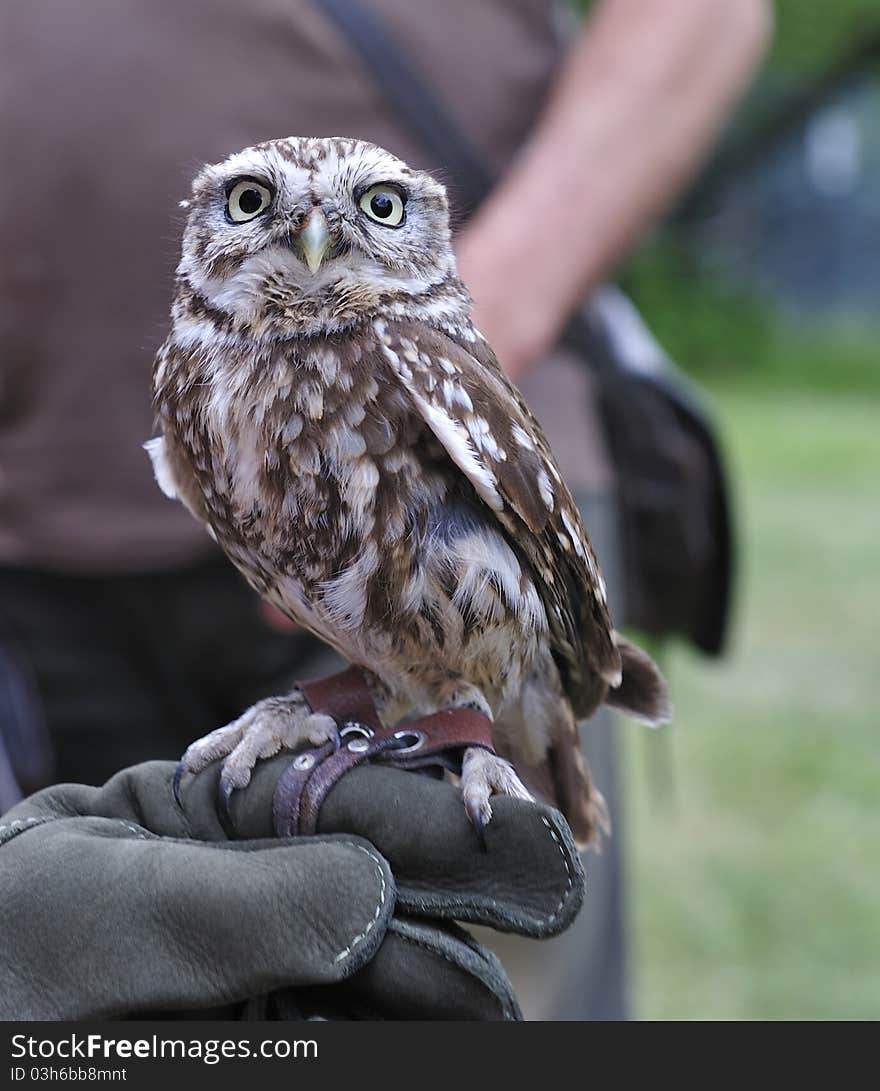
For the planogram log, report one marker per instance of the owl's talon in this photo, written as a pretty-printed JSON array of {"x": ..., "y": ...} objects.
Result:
[
  {"x": 224, "y": 799},
  {"x": 175, "y": 783},
  {"x": 479, "y": 822},
  {"x": 482, "y": 775},
  {"x": 272, "y": 725}
]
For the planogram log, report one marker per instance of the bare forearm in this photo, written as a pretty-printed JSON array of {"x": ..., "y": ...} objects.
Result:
[{"x": 639, "y": 102}]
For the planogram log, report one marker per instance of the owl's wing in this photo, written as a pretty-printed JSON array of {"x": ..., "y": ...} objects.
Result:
[{"x": 487, "y": 430}]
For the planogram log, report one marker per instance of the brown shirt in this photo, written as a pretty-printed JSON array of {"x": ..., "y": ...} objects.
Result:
[{"x": 107, "y": 108}]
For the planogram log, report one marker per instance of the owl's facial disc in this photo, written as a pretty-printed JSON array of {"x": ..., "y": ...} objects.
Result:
[{"x": 304, "y": 235}]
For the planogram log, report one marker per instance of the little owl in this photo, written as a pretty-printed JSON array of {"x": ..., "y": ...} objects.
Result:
[{"x": 331, "y": 415}]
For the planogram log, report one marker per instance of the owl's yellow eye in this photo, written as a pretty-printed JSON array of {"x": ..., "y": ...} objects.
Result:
[
  {"x": 246, "y": 200},
  {"x": 384, "y": 204}
]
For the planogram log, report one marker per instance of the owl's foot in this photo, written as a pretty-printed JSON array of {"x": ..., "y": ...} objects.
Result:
[
  {"x": 460, "y": 694},
  {"x": 482, "y": 775},
  {"x": 271, "y": 725}
]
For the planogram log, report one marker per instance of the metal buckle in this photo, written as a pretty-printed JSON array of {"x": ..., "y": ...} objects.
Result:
[
  {"x": 358, "y": 736},
  {"x": 352, "y": 727},
  {"x": 417, "y": 741}
]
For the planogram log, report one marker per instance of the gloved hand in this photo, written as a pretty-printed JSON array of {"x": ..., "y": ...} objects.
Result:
[{"x": 120, "y": 900}]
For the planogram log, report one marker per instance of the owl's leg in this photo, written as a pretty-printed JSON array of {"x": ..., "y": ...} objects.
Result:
[
  {"x": 482, "y": 774},
  {"x": 271, "y": 725}
]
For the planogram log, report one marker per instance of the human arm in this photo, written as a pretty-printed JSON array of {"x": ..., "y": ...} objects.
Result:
[{"x": 637, "y": 105}]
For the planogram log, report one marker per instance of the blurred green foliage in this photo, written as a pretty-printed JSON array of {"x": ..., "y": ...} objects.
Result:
[
  {"x": 811, "y": 34},
  {"x": 756, "y": 870},
  {"x": 722, "y": 332}
]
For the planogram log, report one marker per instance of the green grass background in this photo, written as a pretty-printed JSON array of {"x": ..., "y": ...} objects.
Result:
[{"x": 754, "y": 827}]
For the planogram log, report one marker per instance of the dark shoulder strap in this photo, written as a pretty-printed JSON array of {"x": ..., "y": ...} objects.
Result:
[
  {"x": 410, "y": 97},
  {"x": 427, "y": 118}
]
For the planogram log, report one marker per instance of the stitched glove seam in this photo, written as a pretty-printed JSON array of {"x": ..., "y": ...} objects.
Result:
[
  {"x": 569, "y": 880},
  {"x": 500, "y": 913},
  {"x": 383, "y": 892},
  {"x": 12, "y": 830}
]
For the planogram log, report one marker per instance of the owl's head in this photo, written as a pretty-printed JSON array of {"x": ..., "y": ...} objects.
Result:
[{"x": 308, "y": 235}]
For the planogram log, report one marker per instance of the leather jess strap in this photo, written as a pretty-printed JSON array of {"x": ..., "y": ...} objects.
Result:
[
  {"x": 344, "y": 696},
  {"x": 430, "y": 744}
]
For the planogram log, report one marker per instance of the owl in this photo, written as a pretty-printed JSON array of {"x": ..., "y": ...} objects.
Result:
[{"x": 330, "y": 414}]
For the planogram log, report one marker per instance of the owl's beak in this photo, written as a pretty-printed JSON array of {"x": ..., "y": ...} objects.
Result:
[{"x": 313, "y": 240}]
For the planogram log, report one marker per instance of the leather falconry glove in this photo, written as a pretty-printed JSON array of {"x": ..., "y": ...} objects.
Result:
[{"x": 124, "y": 900}]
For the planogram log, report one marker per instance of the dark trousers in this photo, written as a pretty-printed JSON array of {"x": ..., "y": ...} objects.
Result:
[{"x": 124, "y": 669}]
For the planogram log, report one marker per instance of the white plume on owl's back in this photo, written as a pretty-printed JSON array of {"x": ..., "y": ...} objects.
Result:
[{"x": 329, "y": 412}]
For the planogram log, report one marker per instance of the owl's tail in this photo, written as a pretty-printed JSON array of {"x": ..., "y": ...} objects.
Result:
[
  {"x": 574, "y": 792},
  {"x": 643, "y": 693}
]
